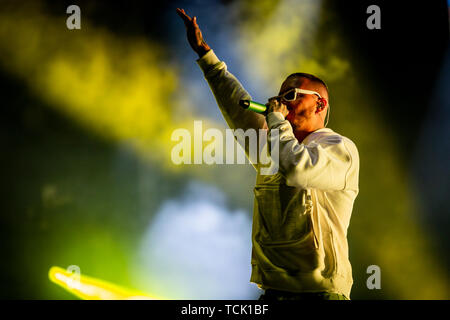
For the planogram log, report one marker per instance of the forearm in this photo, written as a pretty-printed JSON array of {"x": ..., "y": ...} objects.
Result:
[
  {"x": 321, "y": 164},
  {"x": 228, "y": 91}
]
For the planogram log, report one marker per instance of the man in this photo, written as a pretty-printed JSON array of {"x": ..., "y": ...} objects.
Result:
[{"x": 302, "y": 212}]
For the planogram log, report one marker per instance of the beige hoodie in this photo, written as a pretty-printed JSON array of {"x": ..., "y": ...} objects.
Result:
[{"x": 302, "y": 211}]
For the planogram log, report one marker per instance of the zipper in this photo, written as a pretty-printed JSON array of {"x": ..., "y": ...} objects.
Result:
[{"x": 309, "y": 206}]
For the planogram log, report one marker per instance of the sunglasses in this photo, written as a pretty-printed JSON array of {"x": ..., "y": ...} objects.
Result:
[{"x": 292, "y": 95}]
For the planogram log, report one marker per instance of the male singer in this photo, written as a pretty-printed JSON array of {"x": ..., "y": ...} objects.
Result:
[{"x": 301, "y": 213}]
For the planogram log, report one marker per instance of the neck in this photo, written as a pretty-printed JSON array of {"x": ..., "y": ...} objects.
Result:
[{"x": 301, "y": 134}]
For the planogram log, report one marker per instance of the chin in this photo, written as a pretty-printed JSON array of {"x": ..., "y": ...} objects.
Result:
[{"x": 294, "y": 121}]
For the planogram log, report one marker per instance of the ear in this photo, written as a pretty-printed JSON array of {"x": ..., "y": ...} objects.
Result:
[{"x": 321, "y": 104}]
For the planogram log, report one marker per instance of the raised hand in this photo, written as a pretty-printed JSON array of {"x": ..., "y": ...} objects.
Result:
[{"x": 194, "y": 34}]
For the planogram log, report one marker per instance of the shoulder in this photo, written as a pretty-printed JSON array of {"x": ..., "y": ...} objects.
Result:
[{"x": 328, "y": 138}]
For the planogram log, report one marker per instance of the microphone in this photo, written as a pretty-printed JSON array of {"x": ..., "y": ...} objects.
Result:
[{"x": 253, "y": 106}]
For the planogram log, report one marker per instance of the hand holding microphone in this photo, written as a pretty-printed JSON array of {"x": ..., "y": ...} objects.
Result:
[{"x": 274, "y": 105}]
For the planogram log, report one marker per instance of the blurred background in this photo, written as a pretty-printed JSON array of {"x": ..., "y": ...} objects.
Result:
[{"x": 87, "y": 117}]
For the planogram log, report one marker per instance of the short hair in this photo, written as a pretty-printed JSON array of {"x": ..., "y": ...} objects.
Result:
[
  {"x": 311, "y": 77},
  {"x": 319, "y": 81}
]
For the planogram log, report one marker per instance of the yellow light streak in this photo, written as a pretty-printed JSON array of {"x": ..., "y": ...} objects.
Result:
[{"x": 89, "y": 288}]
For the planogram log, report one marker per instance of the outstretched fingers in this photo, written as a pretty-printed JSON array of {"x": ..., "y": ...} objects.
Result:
[{"x": 187, "y": 20}]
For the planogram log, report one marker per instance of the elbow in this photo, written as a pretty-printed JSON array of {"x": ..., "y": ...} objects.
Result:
[{"x": 296, "y": 179}]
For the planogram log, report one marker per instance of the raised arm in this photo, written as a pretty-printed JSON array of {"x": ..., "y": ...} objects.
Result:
[{"x": 227, "y": 90}]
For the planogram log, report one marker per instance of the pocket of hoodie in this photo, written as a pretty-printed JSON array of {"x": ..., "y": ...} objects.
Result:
[{"x": 286, "y": 236}]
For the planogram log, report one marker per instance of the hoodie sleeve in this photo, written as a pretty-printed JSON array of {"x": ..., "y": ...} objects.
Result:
[
  {"x": 228, "y": 91},
  {"x": 321, "y": 164}
]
